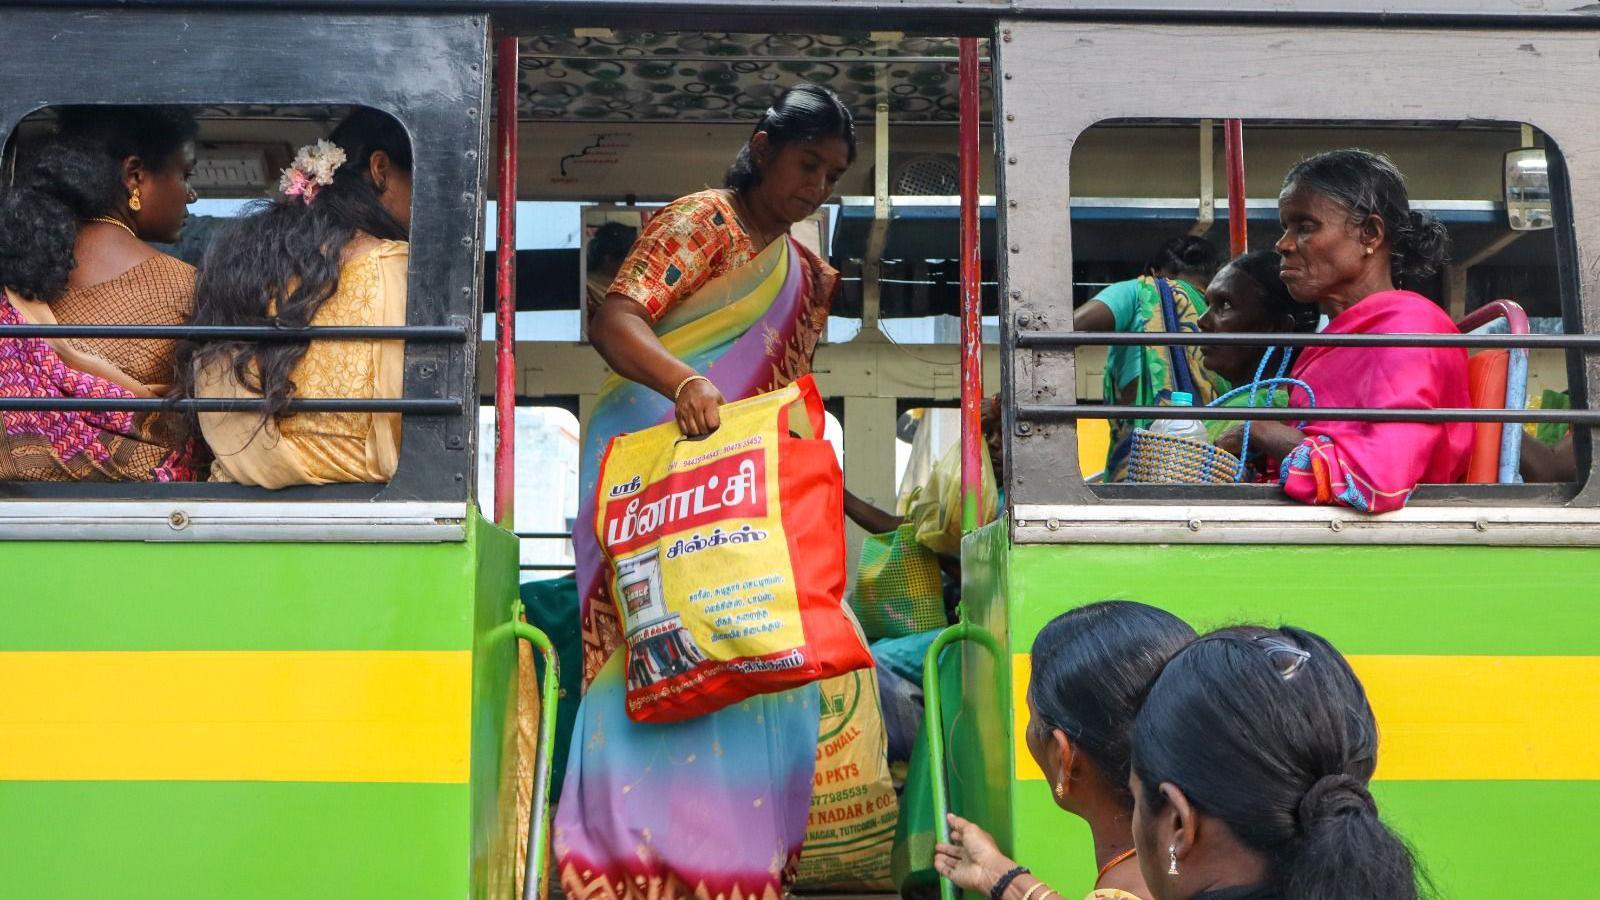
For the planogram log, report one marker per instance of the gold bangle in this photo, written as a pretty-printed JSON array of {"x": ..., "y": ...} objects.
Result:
[
  {"x": 1036, "y": 886},
  {"x": 685, "y": 383}
]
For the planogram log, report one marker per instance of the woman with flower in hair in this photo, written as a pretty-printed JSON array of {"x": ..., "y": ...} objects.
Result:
[{"x": 332, "y": 251}]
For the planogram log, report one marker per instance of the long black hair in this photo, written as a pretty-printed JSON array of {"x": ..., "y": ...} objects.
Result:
[
  {"x": 1185, "y": 255},
  {"x": 280, "y": 263},
  {"x": 1091, "y": 668},
  {"x": 805, "y": 112},
  {"x": 1269, "y": 730},
  {"x": 77, "y": 176},
  {"x": 1369, "y": 184}
]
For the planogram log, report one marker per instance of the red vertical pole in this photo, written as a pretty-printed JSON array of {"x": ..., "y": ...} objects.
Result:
[
  {"x": 971, "y": 298},
  {"x": 1233, "y": 149},
  {"x": 505, "y": 283}
]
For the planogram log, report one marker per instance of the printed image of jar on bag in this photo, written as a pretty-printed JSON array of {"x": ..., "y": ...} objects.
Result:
[{"x": 727, "y": 557}]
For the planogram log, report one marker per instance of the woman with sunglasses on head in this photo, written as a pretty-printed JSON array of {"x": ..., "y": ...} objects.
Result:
[
  {"x": 1091, "y": 667},
  {"x": 1251, "y": 760}
]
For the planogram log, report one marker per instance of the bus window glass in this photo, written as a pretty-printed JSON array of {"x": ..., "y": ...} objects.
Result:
[{"x": 546, "y": 502}]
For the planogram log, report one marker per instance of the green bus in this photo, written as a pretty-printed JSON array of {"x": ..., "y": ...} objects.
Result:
[{"x": 312, "y": 692}]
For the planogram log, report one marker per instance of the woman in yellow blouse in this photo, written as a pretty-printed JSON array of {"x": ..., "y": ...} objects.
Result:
[
  {"x": 332, "y": 251},
  {"x": 1091, "y": 668}
]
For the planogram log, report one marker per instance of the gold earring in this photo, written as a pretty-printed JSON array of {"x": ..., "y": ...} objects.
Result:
[
  {"x": 1369, "y": 251},
  {"x": 134, "y": 203},
  {"x": 1061, "y": 789}
]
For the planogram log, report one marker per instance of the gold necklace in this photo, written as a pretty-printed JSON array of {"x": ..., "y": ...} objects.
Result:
[{"x": 117, "y": 222}]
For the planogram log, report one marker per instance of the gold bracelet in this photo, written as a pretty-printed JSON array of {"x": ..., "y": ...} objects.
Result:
[
  {"x": 1036, "y": 886},
  {"x": 685, "y": 383}
]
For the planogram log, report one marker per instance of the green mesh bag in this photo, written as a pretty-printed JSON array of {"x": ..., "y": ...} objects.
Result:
[{"x": 898, "y": 589}]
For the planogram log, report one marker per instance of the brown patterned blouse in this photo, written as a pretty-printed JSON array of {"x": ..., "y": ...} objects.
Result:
[{"x": 158, "y": 291}]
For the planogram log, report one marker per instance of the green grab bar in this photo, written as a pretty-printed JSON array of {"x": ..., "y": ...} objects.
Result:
[
  {"x": 933, "y": 714},
  {"x": 539, "y": 809}
]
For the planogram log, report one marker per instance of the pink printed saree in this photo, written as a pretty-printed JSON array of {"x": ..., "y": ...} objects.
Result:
[{"x": 1374, "y": 466}]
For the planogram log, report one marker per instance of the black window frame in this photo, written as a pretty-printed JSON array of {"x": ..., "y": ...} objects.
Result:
[{"x": 431, "y": 72}]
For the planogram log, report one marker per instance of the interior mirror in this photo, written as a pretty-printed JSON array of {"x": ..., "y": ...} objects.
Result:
[{"x": 1528, "y": 190}]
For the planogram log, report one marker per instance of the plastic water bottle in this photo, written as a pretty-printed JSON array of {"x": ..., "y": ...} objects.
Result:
[{"x": 1181, "y": 428}]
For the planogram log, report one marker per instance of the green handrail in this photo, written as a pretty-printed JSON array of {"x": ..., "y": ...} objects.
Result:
[
  {"x": 933, "y": 715},
  {"x": 933, "y": 718},
  {"x": 539, "y": 808}
]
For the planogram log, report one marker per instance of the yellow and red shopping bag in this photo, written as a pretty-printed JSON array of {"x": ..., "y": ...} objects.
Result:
[{"x": 727, "y": 557}]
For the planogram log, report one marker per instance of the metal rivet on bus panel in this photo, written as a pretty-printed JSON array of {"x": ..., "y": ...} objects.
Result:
[
  {"x": 1008, "y": 76},
  {"x": 1015, "y": 249},
  {"x": 1053, "y": 524},
  {"x": 1481, "y": 524},
  {"x": 425, "y": 372},
  {"x": 1011, "y": 117},
  {"x": 1011, "y": 160},
  {"x": 472, "y": 113},
  {"x": 472, "y": 154},
  {"x": 1194, "y": 524},
  {"x": 1336, "y": 525},
  {"x": 1011, "y": 204},
  {"x": 466, "y": 241},
  {"x": 455, "y": 442},
  {"x": 1024, "y": 428},
  {"x": 179, "y": 520},
  {"x": 1017, "y": 295}
]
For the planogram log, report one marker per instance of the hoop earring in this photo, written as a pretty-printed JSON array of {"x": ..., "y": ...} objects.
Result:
[
  {"x": 1172, "y": 857},
  {"x": 134, "y": 203}
]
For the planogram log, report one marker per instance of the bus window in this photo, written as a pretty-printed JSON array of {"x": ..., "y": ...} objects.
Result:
[
  {"x": 1149, "y": 198},
  {"x": 235, "y": 157}
]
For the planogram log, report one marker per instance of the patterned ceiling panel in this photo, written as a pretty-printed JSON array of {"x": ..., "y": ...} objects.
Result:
[{"x": 724, "y": 77}]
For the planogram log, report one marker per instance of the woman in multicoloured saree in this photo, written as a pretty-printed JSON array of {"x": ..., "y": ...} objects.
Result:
[
  {"x": 1350, "y": 236},
  {"x": 714, "y": 301},
  {"x": 73, "y": 251},
  {"x": 1144, "y": 376}
]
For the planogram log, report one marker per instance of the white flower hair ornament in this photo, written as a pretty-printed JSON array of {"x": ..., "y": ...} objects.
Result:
[{"x": 311, "y": 171}]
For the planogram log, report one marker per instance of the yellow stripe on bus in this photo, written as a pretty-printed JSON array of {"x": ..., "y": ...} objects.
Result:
[
  {"x": 331, "y": 716},
  {"x": 1453, "y": 718}
]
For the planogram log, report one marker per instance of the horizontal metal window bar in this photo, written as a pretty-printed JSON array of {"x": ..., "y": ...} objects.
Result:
[
  {"x": 430, "y": 334},
  {"x": 1039, "y": 412},
  {"x": 420, "y": 407},
  {"x": 1046, "y": 339},
  {"x": 545, "y": 535},
  {"x": 545, "y": 567}
]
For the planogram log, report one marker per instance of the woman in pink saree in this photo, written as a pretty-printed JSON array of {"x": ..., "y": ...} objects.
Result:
[{"x": 1350, "y": 237}]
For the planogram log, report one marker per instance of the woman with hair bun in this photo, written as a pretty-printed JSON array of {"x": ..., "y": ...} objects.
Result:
[
  {"x": 1353, "y": 246},
  {"x": 73, "y": 251},
  {"x": 1251, "y": 760},
  {"x": 714, "y": 301},
  {"x": 1091, "y": 669}
]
